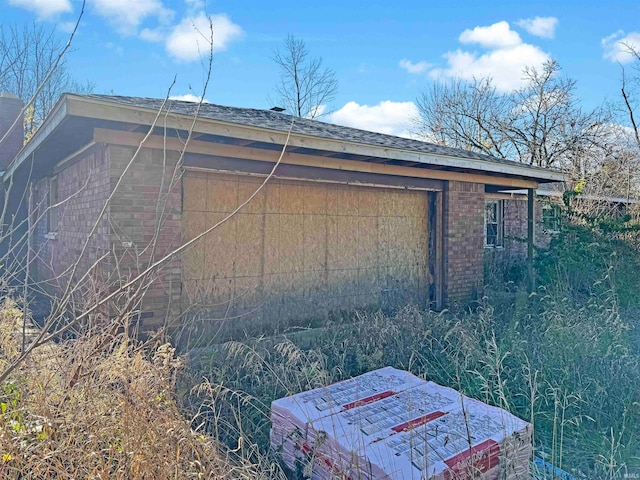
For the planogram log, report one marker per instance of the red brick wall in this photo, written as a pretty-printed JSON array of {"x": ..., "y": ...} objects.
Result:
[
  {"x": 145, "y": 216},
  {"x": 464, "y": 240},
  {"x": 144, "y": 211},
  {"x": 83, "y": 186},
  {"x": 515, "y": 228},
  {"x": 144, "y": 222}
]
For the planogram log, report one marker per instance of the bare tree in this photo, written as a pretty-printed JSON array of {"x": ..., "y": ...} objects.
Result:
[
  {"x": 77, "y": 300},
  {"x": 465, "y": 115},
  {"x": 630, "y": 90},
  {"x": 27, "y": 56},
  {"x": 540, "y": 124},
  {"x": 305, "y": 86},
  {"x": 77, "y": 308}
]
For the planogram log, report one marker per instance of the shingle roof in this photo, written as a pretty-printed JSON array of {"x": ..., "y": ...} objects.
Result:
[{"x": 281, "y": 122}]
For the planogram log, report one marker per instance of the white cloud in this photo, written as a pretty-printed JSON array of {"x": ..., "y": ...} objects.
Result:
[
  {"x": 504, "y": 66},
  {"x": 188, "y": 97},
  {"x": 498, "y": 35},
  {"x": 152, "y": 34},
  {"x": 544, "y": 27},
  {"x": 44, "y": 9},
  {"x": 190, "y": 39},
  {"x": 318, "y": 111},
  {"x": 195, "y": 6},
  {"x": 415, "y": 68},
  {"x": 127, "y": 15},
  {"x": 504, "y": 61},
  {"x": 393, "y": 118},
  {"x": 616, "y": 46}
]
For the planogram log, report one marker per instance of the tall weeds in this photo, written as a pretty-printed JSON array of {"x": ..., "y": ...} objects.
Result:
[
  {"x": 567, "y": 368},
  {"x": 101, "y": 406}
]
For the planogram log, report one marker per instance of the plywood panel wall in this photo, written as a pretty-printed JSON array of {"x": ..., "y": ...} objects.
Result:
[{"x": 301, "y": 248}]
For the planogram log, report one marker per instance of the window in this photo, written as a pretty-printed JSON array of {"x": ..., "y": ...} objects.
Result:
[
  {"x": 493, "y": 223},
  {"x": 52, "y": 218},
  {"x": 551, "y": 218}
]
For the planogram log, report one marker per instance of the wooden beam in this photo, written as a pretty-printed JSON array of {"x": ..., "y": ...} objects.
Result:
[
  {"x": 444, "y": 238},
  {"x": 241, "y": 165},
  {"x": 133, "y": 139},
  {"x": 439, "y": 252},
  {"x": 298, "y": 178},
  {"x": 324, "y": 153},
  {"x": 530, "y": 231},
  {"x": 62, "y": 164},
  {"x": 437, "y": 234},
  {"x": 504, "y": 196}
]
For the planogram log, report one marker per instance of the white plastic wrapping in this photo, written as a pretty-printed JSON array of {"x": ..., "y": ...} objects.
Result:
[{"x": 388, "y": 424}]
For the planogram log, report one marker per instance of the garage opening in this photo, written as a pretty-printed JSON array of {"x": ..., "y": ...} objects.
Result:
[{"x": 305, "y": 250}]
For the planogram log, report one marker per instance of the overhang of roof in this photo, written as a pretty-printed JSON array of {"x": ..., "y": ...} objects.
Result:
[
  {"x": 72, "y": 121},
  {"x": 558, "y": 194}
]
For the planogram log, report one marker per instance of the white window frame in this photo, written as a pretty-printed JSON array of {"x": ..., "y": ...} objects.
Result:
[
  {"x": 52, "y": 214},
  {"x": 557, "y": 218},
  {"x": 499, "y": 217}
]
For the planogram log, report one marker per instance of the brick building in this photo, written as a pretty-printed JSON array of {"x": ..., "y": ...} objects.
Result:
[{"x": 349, "y": 218}]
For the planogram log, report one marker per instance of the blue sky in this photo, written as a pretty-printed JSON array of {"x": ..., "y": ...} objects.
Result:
[{"x": 384, "y": 53}]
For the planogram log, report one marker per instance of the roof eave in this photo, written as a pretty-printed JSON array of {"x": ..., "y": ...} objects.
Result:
[
  {"x": 71, "y": 104},
  {"x": 557, "y": 194},
  {"x": 53, "y": 120},
  {"x": 104, "y": 109}
]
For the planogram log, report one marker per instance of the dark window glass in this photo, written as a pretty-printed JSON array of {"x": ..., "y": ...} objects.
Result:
[{"x": 551, "y": 218}]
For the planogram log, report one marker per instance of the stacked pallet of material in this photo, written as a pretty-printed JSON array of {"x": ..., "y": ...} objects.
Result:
[
  {"x": 423, "y": 431},
  {"x": 472, "y": 440},
  {"x": 346, "y": 437},
  {"x": 291, "y": 416}
]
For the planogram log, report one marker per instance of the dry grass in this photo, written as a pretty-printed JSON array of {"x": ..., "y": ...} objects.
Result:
[
  {"x": 564, "y": 369},
  {"x": 102, "y": 407}
]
